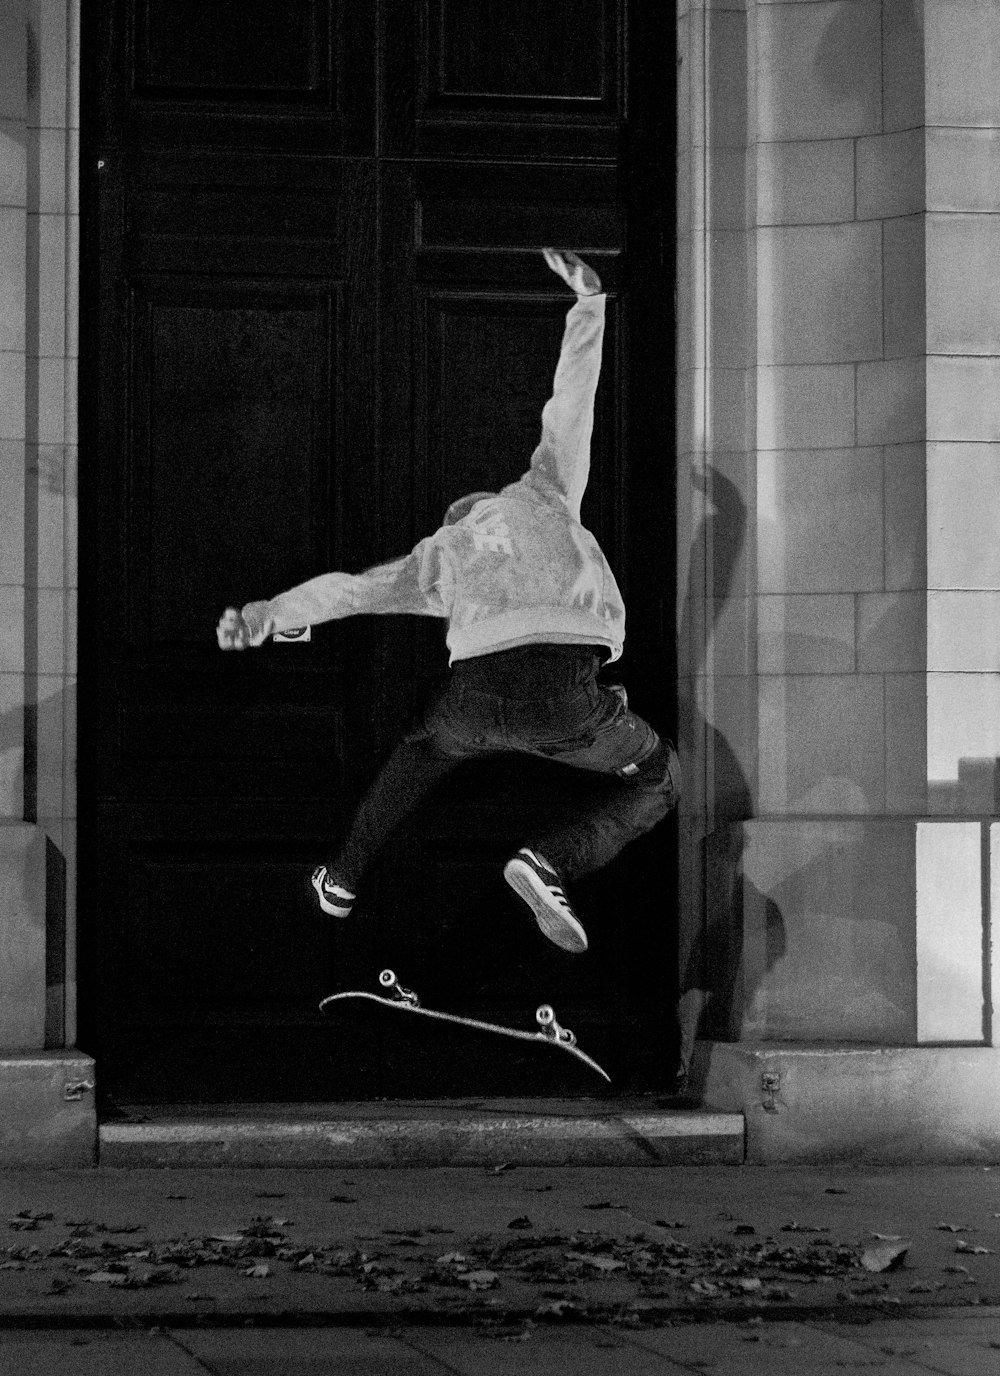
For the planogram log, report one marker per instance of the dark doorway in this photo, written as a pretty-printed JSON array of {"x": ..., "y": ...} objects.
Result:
[{"x": 313, "y": 315}]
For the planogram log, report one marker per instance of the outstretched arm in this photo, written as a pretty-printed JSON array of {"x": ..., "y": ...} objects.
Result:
[
  {"x": 417, "y": 584},
  {"x": 560, "y": 466}
]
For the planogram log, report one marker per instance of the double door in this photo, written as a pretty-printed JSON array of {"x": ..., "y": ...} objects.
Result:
[{"x": 314, "y": 314}]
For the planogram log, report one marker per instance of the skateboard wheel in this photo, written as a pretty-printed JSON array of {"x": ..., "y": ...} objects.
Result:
[
  {"x": 545, "y": 1015},
  {"x": 387, "y": 979},
  {"x": 565, "y": 1035}
]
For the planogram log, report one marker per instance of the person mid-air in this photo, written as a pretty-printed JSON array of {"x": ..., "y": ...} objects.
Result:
[{"x": 533, "y": 611}]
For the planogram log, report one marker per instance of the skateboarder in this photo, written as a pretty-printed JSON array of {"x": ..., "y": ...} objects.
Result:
[{"x": 533, "y": 611}]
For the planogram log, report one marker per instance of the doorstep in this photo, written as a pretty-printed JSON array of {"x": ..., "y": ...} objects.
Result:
[{"x": 452, "y": 1132}]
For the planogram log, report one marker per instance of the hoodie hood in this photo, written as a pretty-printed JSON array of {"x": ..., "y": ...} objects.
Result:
[{"x": 461, "y": 508}]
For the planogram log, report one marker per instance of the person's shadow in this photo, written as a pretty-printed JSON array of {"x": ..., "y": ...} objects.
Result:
[
  {"x": 21, "y": 728},
  {"x": 713, "y": 987}
]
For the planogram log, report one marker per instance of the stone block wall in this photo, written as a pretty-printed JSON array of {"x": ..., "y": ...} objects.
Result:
[
  {"x": 963, "y": 405},
  {"x": 839, "y": 500},
  {"x": 39, "y": 234}
]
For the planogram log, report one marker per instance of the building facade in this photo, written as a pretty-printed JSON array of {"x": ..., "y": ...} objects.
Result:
[{"x": 838, "y": 486}]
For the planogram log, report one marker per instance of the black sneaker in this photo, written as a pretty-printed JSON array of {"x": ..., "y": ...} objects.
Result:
[
  {"x": 535, "y": 881},
  {"x": 333, "y": 897}
]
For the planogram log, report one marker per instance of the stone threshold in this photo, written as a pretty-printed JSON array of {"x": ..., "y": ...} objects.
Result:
[{"x": 479, "y": 1132}]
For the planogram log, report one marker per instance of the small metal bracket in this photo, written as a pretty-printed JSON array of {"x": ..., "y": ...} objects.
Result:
[
  {"x": 74, "y": 1090},
  {"x": 770, "y": 1087}
]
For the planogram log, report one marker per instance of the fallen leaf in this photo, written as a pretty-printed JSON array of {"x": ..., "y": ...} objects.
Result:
[
  {"x": 704, "y": 1287},
  {"x": 777, "y": 1292},
  {"x": 479, "y": 1280},
  {"x": 598, "y": 1262},
  {"x": 886, "y": 1256},
  {"x": 558, "y": 1309}
]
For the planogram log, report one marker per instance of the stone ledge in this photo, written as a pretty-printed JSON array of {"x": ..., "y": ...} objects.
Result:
[
  {"x": 862, "y": 1105},
  {"x": 47, "y": 1110},
  {"x": 433, "y": 1134}
]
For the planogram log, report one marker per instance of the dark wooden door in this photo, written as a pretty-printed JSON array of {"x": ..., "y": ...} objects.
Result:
[{"x": 314, "y": 313}]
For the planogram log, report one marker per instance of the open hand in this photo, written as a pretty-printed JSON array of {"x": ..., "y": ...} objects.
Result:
[
  {"x": 234, "y": 634},
  {"x": 573, "y": 270}
]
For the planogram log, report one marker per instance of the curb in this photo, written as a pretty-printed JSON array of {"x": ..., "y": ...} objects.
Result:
[
  {"x": 429, "y": 1137},
  {"x": 637, "y": 1313}
]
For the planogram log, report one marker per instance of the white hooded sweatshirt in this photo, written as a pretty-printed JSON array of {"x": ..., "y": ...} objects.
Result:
[{"x": 508, "y": 568}]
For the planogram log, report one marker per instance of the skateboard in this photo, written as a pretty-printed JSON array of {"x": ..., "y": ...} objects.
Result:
[{"x": 406, "y": 1001}]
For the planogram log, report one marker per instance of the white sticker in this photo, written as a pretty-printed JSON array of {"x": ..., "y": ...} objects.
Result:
[{"x": 299, "y": 633}]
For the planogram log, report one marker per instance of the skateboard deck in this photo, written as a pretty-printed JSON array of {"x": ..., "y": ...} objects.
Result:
[{"x": 406, "y": 1001}]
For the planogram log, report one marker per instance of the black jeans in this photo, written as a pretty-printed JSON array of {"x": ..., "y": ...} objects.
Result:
[{"x": 539, "y": 700}]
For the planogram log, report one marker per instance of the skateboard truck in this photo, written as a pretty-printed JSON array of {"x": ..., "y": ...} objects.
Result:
[
  {"x": 545, "y": 1016},
  {"x": 388, "y": 980}
]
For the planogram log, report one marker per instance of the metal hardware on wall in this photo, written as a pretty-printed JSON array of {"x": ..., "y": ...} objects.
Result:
[
  {"x": 770, "y": 1085},
  {"x": 76, "y": 1089}
]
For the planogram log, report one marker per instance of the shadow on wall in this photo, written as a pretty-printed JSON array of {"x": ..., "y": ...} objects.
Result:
[
  {"x": 715, "y": 987},
  {"x": 975, "y": 792},
  {"x": 21, "y": 728}
]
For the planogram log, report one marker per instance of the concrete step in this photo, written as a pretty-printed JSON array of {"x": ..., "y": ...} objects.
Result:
[{"x": 482, "y": 1132}]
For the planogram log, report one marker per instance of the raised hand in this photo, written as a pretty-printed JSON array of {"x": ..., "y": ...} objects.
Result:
[{"x": 574, "y": 271}]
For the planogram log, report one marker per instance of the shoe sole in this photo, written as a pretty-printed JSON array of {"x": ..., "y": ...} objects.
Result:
[
  {"x": 325, "y": 904},
  {"x": 560, "y": 928}
]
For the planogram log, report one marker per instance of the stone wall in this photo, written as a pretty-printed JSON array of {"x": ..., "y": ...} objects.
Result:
[
  {"x": 840, "y": 493},
  {"x": 39, "y": 224}
]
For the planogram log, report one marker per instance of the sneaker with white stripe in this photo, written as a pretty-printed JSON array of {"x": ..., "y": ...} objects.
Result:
[
  {"x": 535, "y": 881},
  {"x": 333, "y": 897}
]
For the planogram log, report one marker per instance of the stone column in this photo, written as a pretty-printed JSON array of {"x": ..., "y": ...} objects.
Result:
[
  {"x": 45, "y": 1115},
  {"x": 838, "y": 347}
]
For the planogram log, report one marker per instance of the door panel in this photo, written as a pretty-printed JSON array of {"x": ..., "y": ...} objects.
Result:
[
  {"x": 235, "y": 73},
  {"x": 299, "y": 348},
  {"x": 505, "y": 78}
]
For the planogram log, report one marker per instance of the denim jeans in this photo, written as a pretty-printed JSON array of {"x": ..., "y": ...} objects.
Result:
[{"x": 541, "y": 700}]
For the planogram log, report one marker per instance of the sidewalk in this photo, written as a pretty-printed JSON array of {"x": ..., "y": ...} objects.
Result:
[
  {"x": 962, "y": 1344},
  {"x": 547, "y": 1246}
]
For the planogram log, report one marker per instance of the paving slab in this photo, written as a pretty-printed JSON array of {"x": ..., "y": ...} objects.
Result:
[
  {"x": 94, "y": 1354},
  {"x": 949, "y": 1342}
]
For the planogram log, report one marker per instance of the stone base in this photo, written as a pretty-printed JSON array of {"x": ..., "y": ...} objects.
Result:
[
  {"x": 47, "y": 1110},
  {"x": 856, "y": 1105}
]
